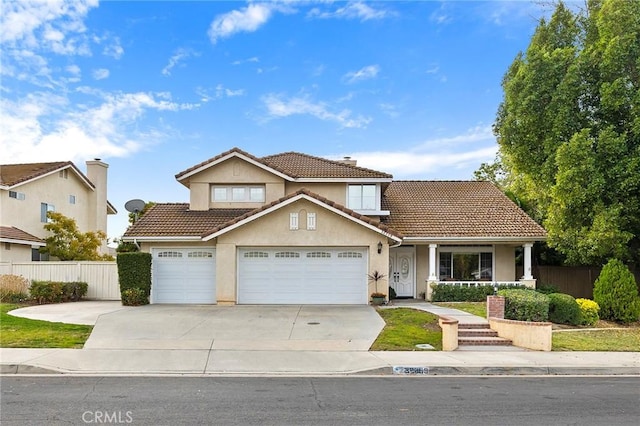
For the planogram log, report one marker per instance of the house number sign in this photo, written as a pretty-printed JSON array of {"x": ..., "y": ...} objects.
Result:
[{"x": 410, "y": 370}]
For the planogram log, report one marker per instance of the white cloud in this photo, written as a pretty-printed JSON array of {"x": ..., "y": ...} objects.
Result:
[
  {"x": 220, "y": 92},
  {"x": 353, "y": 10},
  {"x": 279, "y": 107},
  {"x": 435, "y": 156},
  {"x": 247, "y": 19},
  {"x": 113, "y": 49},
  {"x": 179, "y": 56},
  {"x": 365, "y": 73},
  {"x": 100, "y": 74},
  {"x": 43, "y": 127},
  {"x": 242, "y": 61}
]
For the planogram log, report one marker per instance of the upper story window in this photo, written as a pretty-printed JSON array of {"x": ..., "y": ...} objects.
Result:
[
  {"x": 362, "y": 197},
  {"x": 72, "y": 199},
  {"x": 44, "y": 208},
  {"x": 64, "y": 173},
  {"x": 16, "y": 195},
  {"x": 238, "y": 193}
]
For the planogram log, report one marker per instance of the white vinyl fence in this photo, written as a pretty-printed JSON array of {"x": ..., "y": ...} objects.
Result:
[{"x": 102, "y": 277}]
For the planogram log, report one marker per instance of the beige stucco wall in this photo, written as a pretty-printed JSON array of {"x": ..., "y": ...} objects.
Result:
[
  {"x": 334, "y": 191},
  {"x": 232, "y": 171},
  {"x": 17, "y": 253},
  {"x": 54, "y": 190},
  {"x": 505, "y": 262}
]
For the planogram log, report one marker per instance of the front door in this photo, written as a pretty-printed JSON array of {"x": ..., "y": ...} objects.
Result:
[{"x": 402, "y": 276}]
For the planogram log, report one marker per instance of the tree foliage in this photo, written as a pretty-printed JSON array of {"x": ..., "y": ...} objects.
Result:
[
  {"x": 66, "y": 242},
  {"x": 569, "y": 130}
]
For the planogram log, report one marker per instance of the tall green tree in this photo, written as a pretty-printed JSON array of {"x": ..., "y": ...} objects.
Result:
[
  {"x": 66, "y": 242},
  {"x": 569, "y": 130}
]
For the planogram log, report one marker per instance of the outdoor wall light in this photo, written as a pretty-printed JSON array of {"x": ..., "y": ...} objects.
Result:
[{"x": 379, "y": 247}]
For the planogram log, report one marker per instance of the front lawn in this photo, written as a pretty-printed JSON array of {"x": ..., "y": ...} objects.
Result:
[
  {"x": 18, "y": 332},
  {"x": 607, "y": 340},
  {"x": 475, "y": 308},
  {"x": 407, "y": 328}
]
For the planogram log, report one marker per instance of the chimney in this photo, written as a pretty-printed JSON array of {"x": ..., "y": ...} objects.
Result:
[
  {"x": 97, "y": 174},
  {"x": 349, "y": 161}
]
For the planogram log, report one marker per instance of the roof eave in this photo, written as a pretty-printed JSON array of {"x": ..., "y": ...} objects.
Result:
[
  {"x": 22, "y": 242},
  {"x": 475, "y": 240}
]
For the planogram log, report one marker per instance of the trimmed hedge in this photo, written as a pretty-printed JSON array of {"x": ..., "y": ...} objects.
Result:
[
  {"x": 457, "y": 293},
  {"x": 525, "y": 305},
  {"x": 134, "y": 272},
  {"x": 563, "y": 309},
  {"x": 134, "y": 297},
  {"x": 588, "y": 311},
  {"x": 57, "y": 292}
]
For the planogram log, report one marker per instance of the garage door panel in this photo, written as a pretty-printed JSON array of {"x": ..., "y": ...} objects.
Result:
[
  {"x": 184, "y": 276},
  {"x": 302, "y": 276}
]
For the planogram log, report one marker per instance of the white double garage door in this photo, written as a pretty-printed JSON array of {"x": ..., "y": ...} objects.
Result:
[{"x": 289, "y": 275}]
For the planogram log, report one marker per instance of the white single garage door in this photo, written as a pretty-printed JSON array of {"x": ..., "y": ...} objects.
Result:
[
  {"x": 184, "y": 276},
  {"x": 302, "y": 276}
]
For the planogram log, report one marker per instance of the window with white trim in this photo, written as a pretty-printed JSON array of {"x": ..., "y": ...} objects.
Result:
[
  {"x": 255, "y": 254},
  {"x": 171, "y": 254},
  {"x": 287, "y": 255},
  {"x": 466, "y": 265},
  {"x": 44, "y": 208},
  {"x": 238, "y": 193},
  {"x": 201, "y": 254},
  {"x": 318, "y": 255},
  {"x": 64, "y": 174},
  {"x": 362, "y": 197},
  {"x": 293, "y": 221},
  {"x": 17, "y": 195},
  {"x": 349, "y": 255}
]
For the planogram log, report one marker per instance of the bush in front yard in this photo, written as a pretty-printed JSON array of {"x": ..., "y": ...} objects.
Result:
[
  {"x": 525, "y": 305},
  {"x": 13, "y": 288},
  {"x": 588, "y": 311},
  {"x": 616, "y": 292},
  {"x": 563, "y": 309},
  {"x": 455, "y": 293},
  {"x": 134, "y": 297},
  {"x": 57, "y": 292},
  {"x": 134, "y": 272}
]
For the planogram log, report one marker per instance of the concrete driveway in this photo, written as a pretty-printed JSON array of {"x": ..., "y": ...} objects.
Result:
[{"x": 268, "y": 328}]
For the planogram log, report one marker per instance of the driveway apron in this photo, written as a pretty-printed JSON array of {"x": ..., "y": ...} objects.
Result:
[{"x": 251, "y": 327}]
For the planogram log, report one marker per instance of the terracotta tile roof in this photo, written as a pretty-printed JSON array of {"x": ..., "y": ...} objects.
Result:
[
  {"x": 12, "y": 174},
  {"x": 175, "y": 219},
  {"x": 13, "y": 233},
  {"x": 297, "y": 165},
  {"x": 455, "y": 209},
  {"x": 167, "y": 220}
]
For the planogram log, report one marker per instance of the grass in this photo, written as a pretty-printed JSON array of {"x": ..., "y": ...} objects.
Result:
[
  {"x": 406, "y": 328},
  {"x": 475, "y": 308},
  {"x": 18, "y": 332},
  {"x": 627, "y": 340}
]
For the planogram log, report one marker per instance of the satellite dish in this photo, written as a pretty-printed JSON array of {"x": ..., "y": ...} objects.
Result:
[{"x": 134, "y": 206}]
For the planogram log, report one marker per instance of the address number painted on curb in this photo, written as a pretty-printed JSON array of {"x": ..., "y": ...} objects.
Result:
[{"x": 410, "y": 370}]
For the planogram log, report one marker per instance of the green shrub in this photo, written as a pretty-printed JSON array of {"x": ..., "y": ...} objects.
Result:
[
  {"x": 13, "y": 288},
  {"x": 616, "y": 292},
  {"x": 588, "y": 311},
  {"x": 525, "y": 305},
  {"x": 134, "y": 271},
  {"x": 547, "y": 289},
  {"x": 134, "y": 297},
  {"x": 455, "y": 293},
  {"x": 563, "y": 309},
  {"x": 57, "y": 292}
]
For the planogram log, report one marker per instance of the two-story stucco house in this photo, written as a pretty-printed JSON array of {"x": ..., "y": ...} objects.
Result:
[
  {"x": 291, "y": 228},
  {"x": 29, "y": 191}
]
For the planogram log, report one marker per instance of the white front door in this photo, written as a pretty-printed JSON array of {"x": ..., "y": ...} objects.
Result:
[{"x": 402, "y": 276}]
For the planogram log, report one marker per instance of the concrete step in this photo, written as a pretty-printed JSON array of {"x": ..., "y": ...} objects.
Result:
[
  {"x": 474, "y": 326},
  {"x": 483, "y": 341},
  {"x": 476, "y": 332}
]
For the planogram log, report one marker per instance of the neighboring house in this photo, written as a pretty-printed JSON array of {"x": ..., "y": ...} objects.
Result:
[
  {"x": 296, "y": 229},
  {"x": 29, "y": 191}
]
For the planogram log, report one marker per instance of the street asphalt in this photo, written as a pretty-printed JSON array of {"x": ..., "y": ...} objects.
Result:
[{"x": 275, "y": 340}]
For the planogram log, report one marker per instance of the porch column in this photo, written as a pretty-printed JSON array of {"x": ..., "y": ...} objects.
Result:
[
  {"x": 527, "y": 261},
  {"x": 432, "y": 262}
]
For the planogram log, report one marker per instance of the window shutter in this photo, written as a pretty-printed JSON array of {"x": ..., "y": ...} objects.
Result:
[
  {"x": 293, "y": 221},
  {"x": 311, "y": 221}
]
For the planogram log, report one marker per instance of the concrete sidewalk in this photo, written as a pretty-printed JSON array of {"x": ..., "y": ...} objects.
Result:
[{"x": 302, "y": 363}]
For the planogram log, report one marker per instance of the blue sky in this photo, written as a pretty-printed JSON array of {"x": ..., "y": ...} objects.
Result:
[{"x": 152, "y": 88}]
